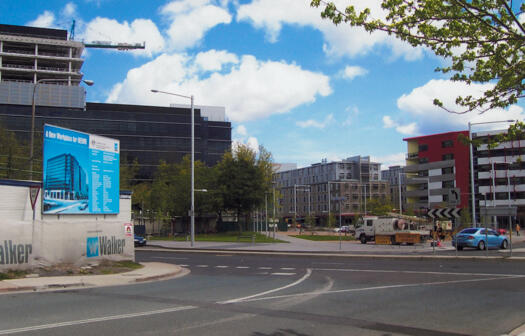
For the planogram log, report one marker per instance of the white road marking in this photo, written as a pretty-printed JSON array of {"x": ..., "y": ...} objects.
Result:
[
  {"x": 287, "y": 268},
  {"x": 221, "y": 266},
  {"x": 422, "y": 284},
  {"x": 264, "y": 268},
  {"x": 242, "y": 267},
  {"x": 283, "y": 273},
  {"x": 415, "y": 272},
  {"x": 202, "y": 266},
  {"x": 94, "y": 320},
  {"x": 306, "y": 276}
]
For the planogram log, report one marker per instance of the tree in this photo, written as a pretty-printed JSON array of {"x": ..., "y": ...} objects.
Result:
[
  {"x": 12, "y": 158},
  {"x": 243, "y": 178},
  {"x": 484, "y": 39},
  {"x": 379, "y": 207}
]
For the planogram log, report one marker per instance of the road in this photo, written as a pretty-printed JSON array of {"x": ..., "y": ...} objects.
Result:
[{"x": 258, "y": 294}]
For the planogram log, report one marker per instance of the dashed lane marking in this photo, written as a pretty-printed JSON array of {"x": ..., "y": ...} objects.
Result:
[
  {"x": 242, "y": 267},
  {"x": 202, "y": 266},
  {"x": 282, "y": 273},
  {"x": 221, "y": 266},
  {"x": 287, "y": 268},
  {"x": 264, "y": 268}
]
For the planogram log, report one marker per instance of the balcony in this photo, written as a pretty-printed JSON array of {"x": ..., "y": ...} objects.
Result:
[{"x": 412, "y": 156}]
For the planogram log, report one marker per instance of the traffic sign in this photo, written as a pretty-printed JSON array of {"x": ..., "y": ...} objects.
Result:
[
  {"x": 449, "y": 213},
  {"x": 33, "y": 195}
]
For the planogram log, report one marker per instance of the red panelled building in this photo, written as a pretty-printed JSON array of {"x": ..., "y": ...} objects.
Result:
[{"x": 436, "y": 165}]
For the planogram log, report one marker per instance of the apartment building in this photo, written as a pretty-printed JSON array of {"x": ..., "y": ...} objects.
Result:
[
  {"x": 330, "y": 187},
  {"x": 435, "y": 165},
  {"x": 499, "y": 174},
  {"x": 396, "y": 177}
]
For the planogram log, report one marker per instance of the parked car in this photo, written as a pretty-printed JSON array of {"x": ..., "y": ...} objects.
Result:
[
  {"x": 343, "y": 229},
  {"x": 501, "y": 231},
  {"x": 477, "y": 238},
  {"x": 140, "y": 241}
]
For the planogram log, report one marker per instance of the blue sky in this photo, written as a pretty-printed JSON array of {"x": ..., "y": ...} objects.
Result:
[{"x": 300, "y": 86}]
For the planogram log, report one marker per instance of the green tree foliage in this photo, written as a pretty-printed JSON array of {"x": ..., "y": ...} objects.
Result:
[
  {"x": 484, "y": 39},
  {"x": 128, "y": 172},
  {"x": 243, "y": 178},
  {"x": 379, "y": 207},
  {"x": 13, "y": 157}
]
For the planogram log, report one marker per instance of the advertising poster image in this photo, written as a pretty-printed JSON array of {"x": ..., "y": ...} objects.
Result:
[{"x": 81, "y": 172}]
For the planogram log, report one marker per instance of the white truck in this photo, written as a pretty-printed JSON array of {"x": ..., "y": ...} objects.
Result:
[{"x": 389, "y": 230}]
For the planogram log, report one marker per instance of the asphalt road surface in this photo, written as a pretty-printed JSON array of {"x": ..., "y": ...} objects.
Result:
[{"x": 231, "y": 294}]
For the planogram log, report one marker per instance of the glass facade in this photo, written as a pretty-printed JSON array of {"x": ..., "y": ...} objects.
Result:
[{"x": 146, "y": 133}]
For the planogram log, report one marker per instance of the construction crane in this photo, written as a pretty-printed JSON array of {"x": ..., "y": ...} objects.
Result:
[{"x": 106, "y": 44}]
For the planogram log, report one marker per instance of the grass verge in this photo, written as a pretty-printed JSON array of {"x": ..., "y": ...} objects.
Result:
[
  {"x": 323, "y": 238},
  {"x": 226, "y": 237}
]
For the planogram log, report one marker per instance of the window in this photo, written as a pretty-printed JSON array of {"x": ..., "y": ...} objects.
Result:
[
  {"x": 448, "y": 184},
  {"x": 423, "y": 148},
  {"x": 449, "y": 156},
  {"x": 447, "y": 144},
  {"x": 423, "y": 160},
  {"x": 447, "y": 170}
]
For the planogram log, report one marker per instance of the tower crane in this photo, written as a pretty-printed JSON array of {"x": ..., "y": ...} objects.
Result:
[{"x": 107, "y": 44}]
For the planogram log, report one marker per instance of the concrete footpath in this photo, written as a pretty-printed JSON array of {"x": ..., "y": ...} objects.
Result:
[
  {"x": 151, "y": 271},
  {"x": 347, "y": 248}
]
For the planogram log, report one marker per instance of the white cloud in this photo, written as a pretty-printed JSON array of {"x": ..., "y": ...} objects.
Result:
[
  {"x": 427, "y": 118},
  {"x": 191, "y": 19},
  {"x": 397, "y": 159},
  {"x": 417, "y": 106},
  {"x": 70, "y": 10},
  {"x": 408, "y": 129},
  {"x": 352, "y": 113},
  {"x": 44, "y": 20},
  {"x": 138, "y": 31},
  {"x": 316, "y": 124},
  {"x": 213, "y": 60},
  {"x": 250, "y": 90},
  {"x": 351, "y": 72},
  {"x": 341, "y": 40},
  {"x": 253, "y": 143},
  {"x": 241, "y": 130}
]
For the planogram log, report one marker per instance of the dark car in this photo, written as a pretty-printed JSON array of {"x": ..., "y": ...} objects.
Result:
[{"x": 140, "y": 241}]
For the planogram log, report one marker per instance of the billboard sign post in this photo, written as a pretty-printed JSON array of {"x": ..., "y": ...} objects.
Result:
[{"x": 81, "y": 172}]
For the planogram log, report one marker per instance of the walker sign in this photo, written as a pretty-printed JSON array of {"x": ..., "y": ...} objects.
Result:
[
  {"x": 104, "y": 245},
  {"x": 81, "y": 172}
]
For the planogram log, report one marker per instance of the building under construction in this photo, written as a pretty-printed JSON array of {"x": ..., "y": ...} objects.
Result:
[{"x": 44, "y": 66}]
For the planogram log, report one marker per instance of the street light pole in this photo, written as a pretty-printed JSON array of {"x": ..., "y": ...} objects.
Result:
[
  {"x": 192, "y": 210},
  {"x": 33, "y": 113}
]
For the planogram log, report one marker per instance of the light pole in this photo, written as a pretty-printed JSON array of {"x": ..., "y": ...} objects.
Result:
[
  {"x": 33, "y": 113},
  {"x": 472, "y": 189},
  {"x": 329, "y": 209},
  {"x": 509, "y": 200},
  {"x": 304, "y": 188},
  {"x": 192, "y": 210}
]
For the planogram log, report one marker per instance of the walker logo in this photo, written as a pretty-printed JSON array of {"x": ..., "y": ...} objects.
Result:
[
  {"x": 92, "y": 247},
  {"x": 11, "y": 254},
  {"x": 103, "y": 245}
]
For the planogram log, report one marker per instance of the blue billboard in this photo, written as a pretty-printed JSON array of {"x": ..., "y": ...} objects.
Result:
[{"x": 81, "y": 172}]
